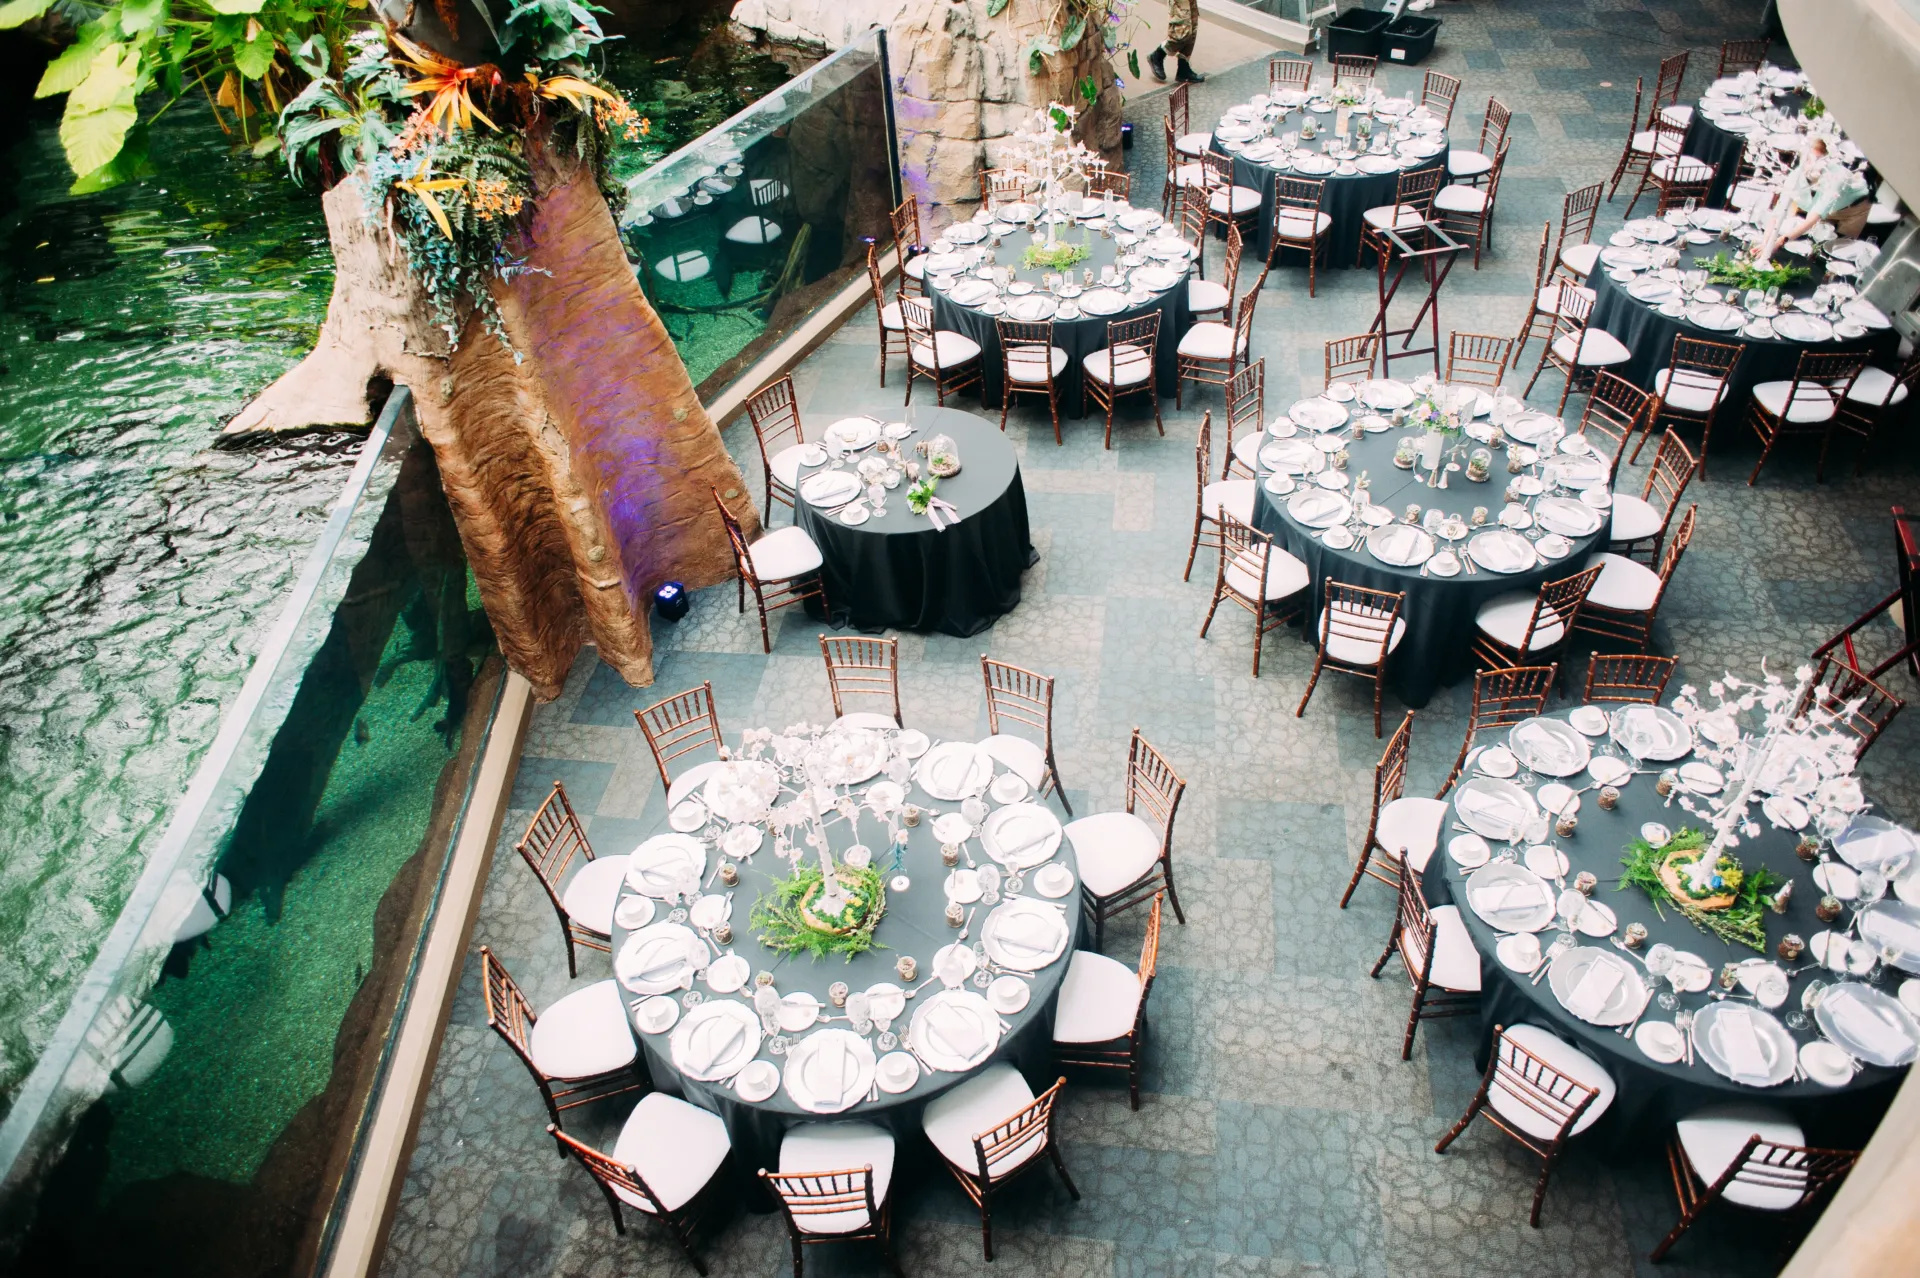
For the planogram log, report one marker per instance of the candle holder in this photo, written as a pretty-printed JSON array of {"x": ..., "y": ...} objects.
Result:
[
  {"x": 912, "y": 814},
  {"x": 1808, "y": 848},
  {"x": 907, "y": 968},
  {"x": 1636, "y": 935},
  {"x": 729, "y": 873},
  {"x": 1585, "y": 882},
  {"x": 837, "y": 993},
  {"x": 949, "y": 854},
  {"x": 723, "y": 934},
  {"x": 956, "y": 914},
  {"x": 1827, "y": 908},
  {"x": 1791, "y": 947},
  {"x": 1664, "y": 783},
  {"x": 1609, "y": 798},
  {"x": 1565, "y": 824}
]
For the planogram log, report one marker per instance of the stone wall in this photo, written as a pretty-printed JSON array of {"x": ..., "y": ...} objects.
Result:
[{"x": 961, "y": 81}]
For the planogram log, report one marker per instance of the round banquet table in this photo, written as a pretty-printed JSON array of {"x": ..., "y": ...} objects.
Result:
[
  {"x": 1078, "y": 337},
  {"x": 1649, "y": 334},
  {"x": 1439, "y": 611},
  {"x": 897, "y": 571},
  {"x": 1723, "y": 147},
  {"x": 1651, "y": 1096},
  {"x": 914, "y": 924},
  {"x": 1347, "y": 197}
]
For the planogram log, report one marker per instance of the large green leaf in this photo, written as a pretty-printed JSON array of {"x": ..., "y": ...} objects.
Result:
[
  {"x": 254, "y": 57},
  {"x": 92, "y": 138},
  {"x": 141, "y": 15},
  {"x": 1076, "y": 27},
  {"x": 130, "y": 163},
  {"x": 995, "y": 7},
  {"x": 65, "y": 72},
  {"x": 236, "y": 6},
  {"x": 111, "y": 78},
  {"x": 16, "y": 12}
]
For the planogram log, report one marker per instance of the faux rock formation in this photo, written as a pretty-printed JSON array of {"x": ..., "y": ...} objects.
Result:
[
  {"x": 961, "y": 80},
  {"x": 581, "y": 476}
]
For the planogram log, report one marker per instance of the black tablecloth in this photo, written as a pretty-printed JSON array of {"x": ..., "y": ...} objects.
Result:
[
  {"x": 914, "y": 924},
  {"x": 1345, "y": 199},
  {"x": 1722, "y": 148},
  {"x": 1439, "y": 611},
  {"x": 1077, "y": 337},
  {"x": 1652, "y": 1095},
  {"x": 1649, "y": 335},
  {"x": 897, "y": 572}
]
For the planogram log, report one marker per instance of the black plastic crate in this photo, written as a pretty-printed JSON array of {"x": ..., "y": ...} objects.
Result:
[
  {"x": 1409, "y": 40},
  {"x": 1356, "y": 31}
]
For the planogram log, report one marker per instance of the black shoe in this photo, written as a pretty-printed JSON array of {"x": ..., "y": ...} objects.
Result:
[
  {"x": 1157, "y": 63},
  {"x": 1187, "y": 75}
]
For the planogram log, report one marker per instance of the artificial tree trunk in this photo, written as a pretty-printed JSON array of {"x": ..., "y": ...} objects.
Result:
[{"x": 581, "y": 475}]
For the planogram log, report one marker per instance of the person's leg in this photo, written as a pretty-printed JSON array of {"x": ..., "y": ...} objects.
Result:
[
  {"x": 1157, "y": 63},
  {"x": 1182, "y": 49}
]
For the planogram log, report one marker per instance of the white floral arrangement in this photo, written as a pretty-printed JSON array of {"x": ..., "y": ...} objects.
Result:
[
  {"x": 742, "y": 790},
  {"x": 1346, "y": 94}
]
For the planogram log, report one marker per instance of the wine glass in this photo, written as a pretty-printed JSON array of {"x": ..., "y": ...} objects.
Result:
[
  {"x": 1873, "y": 886},
  {"x": 877, "y": 497},
  {"x": 989, "y": 884},
  {"x": 858, "y": 1014},
  {"x": 1659, "y": 963},
  {"x": 766, "y": 1001}
]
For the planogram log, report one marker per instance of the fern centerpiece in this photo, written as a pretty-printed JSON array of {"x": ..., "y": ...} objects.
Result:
[
  {"x": 1723, "y": 897},
  {"x": 799, "y": 916},
  {"x": 1722, "y": 269},
  {"x": 1057, "y": 255}
]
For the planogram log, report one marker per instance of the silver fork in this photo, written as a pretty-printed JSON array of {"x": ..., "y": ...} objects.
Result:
[{"x": 1554, "y": 951}]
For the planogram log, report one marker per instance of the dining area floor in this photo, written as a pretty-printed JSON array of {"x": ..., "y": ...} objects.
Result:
[{"x": 1280, "y": 1132}]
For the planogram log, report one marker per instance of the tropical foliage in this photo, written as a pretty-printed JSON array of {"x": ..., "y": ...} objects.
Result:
[
  {"x": 1742, "y": 275},
  {"x": 1741, "y": 923}
]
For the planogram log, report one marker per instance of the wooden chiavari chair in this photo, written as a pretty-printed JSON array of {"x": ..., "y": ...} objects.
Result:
[
  {"x": 1478, "y": 359},
  {"x": 1502, "y": 698},
  {"x": 1640, "y": 523},
  {"x": 1030, "y": 365},
  {"x": 1404, "y": 829},
  {"x": 829, "y": 1194},
  {"x": 1673, "y": 176},
  {"x": 1742, "y": 55},
  {"x": 1412, "y": 204},
  {"x": 1579, "y": 210},
  {"x": 775, "y": 415},
  {"x": 1515, "y": 627},
  {"x": 1836, "y": 686},
  {"x": 1190, "y": 210},
  {"x": 893, "y": 329},
  {"x": 1210, "y": 352},
  {"x": 1693, "y": 385},
  {"x": 985, "y": 1160},
  {"x": 1438, "y": 92},
  {"x": 782, "y": 568},
  {"x": 1544, "y": 305},
  {"x": 1299, "y": 223},
  {"x": 907, "y": 246},
  {"x": 1185, "y": 140},
  {"x": 584, "y": 901},
  {"x": 579, "y": 1050},
  {"x": 1466, "y": 212},
  {"x": 683, "y": 724},
  {"x": 1540, "y": 1091},
  {"x": 1615, "y": 410},
  {"x": 1807, "y": 405},
  {"x": 1471, "y": 167},
  {"x": 1211, "y": 496},
  {"x": 1101, "y": 1019},
  {"x": 1633, "y": 676},
  {"x": 1289, "y": 73},
  {"x": 1246, "y": 425},
  {"x": 1352, "y": 359},
  {"x": 1666, "y": 91},
  {"x": 1354, "y": 68},
  {"x": 1003, "y": 186},
  {"x": 1184, "y": 173},
  {"x": 1115, "y": 182},
  {"x": 1126, "y": 365},
  {"x": 665, "y": 1142},
  {"x": 1359, "y": 629},
  {"x": 861, "y": 666},
  {"x": 1206, "y": 297},
  {"x": 950, "y": 360},
  {"x": 1577, "y": 348},
  {"x": 1638, "y": 151},
  {"x": 1127, "y": 857},
  {"x": 1016, "y": 695},
  {"x": 1771, "y": 1169},
  {"x": 1258, "y": 576},
  {"x": 1871, "y": 400},
  {"x": 1626, "y": 596},
  {"x": 1438, "y": 955},
  {"x": 1228, "y": 205}
]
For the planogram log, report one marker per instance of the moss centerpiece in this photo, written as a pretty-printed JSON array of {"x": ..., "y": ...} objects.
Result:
[
  {"x": 1729, "y": 900},
  {"x": 793, "y": 919}
]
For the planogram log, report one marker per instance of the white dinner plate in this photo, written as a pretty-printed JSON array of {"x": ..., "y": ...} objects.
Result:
[
  {"x": 1651, "y": 732},
  {"x": 954, "y": 770},
  {"x": 829, "y": 1071},
  {"x": 954, "y": 1030},
  {"x": 1717, "y": 1029},
  {"x": 1493, "y": 808},
  {"x": 1510, "y": 898},
  {"x": 658, "y": 866},
  {"x": 1024, "y": 935},
  {"x": 1020, "y": 835},
  {"x": 1551, "y": 747},
  {"x": 1569, "y": 977},
  {"x": 715, "y": 1040}
]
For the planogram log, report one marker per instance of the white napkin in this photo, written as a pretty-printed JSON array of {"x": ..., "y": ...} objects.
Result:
[
  {"x": 1028, "y": 930},
  {"x": 1891, "y": 927},
  {"x": 1486, "y": 808},
  {"x": 954, "y": 1032},
  {"x": 826, "y": 1072},
  {"x": 1596, "y": 986},
  {"x": 1506, "y": 895},
  {"x": 1866, "y": 1029},
  {"x": 1740, "y": 1044},
  {"x": 715, "y": 1041}
]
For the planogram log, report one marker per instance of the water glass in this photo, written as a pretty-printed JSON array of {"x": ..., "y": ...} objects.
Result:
[
  {"x": 857, "y": 1013},
  {"x": 766, "y": 1001},
  {"x": 1873, "y": 886}
]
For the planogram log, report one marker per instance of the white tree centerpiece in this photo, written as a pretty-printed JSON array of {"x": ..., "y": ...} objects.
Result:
[{"x": 1044, "y": 147}]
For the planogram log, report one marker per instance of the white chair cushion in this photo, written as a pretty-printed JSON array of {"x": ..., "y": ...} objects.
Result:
[
  {"x": 1187, "y": 175},
  {"x": 1677, "y": 114},
  {"x": 1682, "y": 168},
  {"x": 1600, "y": 348},
  {"x": 1580, "y": 258},
  {"x": 915, "y": 268},
  {"x": 785, "y": 464},
  {"x": 1564, "y": 1059},
  {"x": 975, "y": 1108},
  {"x": 1810, "y": 403},
  {"x": 1456, "y": 964},
  {"x": 590, "y": 894},
  {"x": 839, "y": 1147},
  {"x": 1873, "y": 385},
  {"x": 1643, "y": 143},
  {"x": 948, "y": 349},
  {"x": 1286, "y": 575},
  {"x": 1209, "y": 340},
  {"x": 1132, "y": 369},
  {"x": 1193, "y": 143},
  {"x": 1714, "y": 1137},
  {"x": 1634, "y": 519},
  {"x": 890, "y": 318},
  {"x": 584, "y": 1034},
  {"x": 1399, "y": 217},
  {"x": 1115, "y": 849},
  {"x": 1505, "y": 618},
  {"x": 1409, "y": 829},
  {"x": 1356, "y": 651},
  {"x": 785, "y": 553},
  {"x": 1301, "y": 224},
  {"x": 1690, "y": 391},
  {"x": 1246, "y": 451},
  {"x": 1235, "y": 495},
  {"x": 1549, "y": 299},
  {"x": 1749, "y": 193},
  {"x": 1025, "y": 366},
  {"x": 676, "y": 1148},
  {"x": 1468, "y": 163},
  {"x": 867, "y": 719},
  {"x": 1205, "y": 295},
  {"x": 1623, "y": 584},
  {"x": 1460, "y": 199},
  {"x": 754, "y": 230},
  {"x": 1025, "y": 759},
  {"x": 684, "y": 267},
  {"x": 1233, "y": 201},
  {"x": 1099, "y": 1000}
]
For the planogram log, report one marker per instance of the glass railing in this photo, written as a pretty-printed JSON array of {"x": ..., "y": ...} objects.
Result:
[{"x": 740, "y": 235}]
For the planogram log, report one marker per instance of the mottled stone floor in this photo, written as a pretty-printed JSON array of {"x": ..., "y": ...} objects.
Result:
[{"x": 1282, "y": 1134}]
